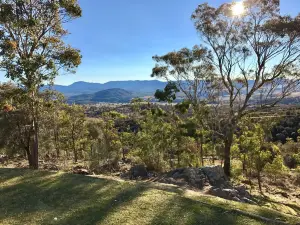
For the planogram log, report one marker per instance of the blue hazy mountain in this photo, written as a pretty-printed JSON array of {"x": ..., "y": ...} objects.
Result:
[{"x": 135, "y": 86}]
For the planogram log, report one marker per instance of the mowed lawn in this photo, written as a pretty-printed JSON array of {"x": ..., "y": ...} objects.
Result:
[{"x": 40, "y": 197}]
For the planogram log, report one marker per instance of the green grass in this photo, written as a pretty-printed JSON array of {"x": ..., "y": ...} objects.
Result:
[{"x": 38, "y": 197}]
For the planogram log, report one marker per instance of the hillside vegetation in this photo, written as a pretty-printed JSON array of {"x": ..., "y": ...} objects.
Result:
[
  {"x": 114, "y": 95},
  {"x": 39, "y": 197}
]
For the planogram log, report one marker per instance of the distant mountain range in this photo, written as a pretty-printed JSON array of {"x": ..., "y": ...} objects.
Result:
[
  {"x": 137, "y": 87},
  {"x": 113, "y": 91},
  {"x": 114, "y": 95}
]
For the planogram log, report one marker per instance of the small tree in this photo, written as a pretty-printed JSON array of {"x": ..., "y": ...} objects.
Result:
[
  {"x": 276, "y": 168},
  {"x": 32, "y": 49},
  {"x": 74, "y": 128},
  {"x": 257, "y": 154}
]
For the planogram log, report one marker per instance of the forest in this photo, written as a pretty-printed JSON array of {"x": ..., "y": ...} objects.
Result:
[{"x": 231, "y": 117}]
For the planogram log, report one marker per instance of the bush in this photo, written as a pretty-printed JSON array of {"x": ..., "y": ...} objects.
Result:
[{"x": 276, "y": 168}]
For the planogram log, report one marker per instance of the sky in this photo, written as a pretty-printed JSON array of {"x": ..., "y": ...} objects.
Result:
[{"x": 118, "y": 38}]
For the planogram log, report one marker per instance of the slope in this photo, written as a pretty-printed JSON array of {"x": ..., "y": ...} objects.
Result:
[
  {"x": 114, "y": 95},
  {"x": 40, "y": 197}
]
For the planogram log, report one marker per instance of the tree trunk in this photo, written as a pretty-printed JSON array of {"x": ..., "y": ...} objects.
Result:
[
  {"x": 35, "y": 149},
  {"x": 74, "y": 145},
  {"x": 244, "y": 163},
  {"x": 29, "y": 157},
  {"x": 35, "y": 146},
  {"x": 227, "y": 148},
  {"x": 201, "y": 151},
  {"x": 259, "y": 181},
  {"x": 75, "y": 151},
  {"x": 56, "y": 144},
  {"x": 75, "y": 156}
]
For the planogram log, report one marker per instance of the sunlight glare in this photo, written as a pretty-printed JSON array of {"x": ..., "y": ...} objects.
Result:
[{"x": 238, "y": 8}]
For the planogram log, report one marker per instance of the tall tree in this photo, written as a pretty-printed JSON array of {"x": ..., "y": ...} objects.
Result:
[
  {"x": 190, "y": 72},
  {"x": 255, "y": 55},
  {"x": 32, "y": 49}
]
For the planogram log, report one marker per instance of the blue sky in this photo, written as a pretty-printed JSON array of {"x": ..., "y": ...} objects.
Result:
[{"x": 118, "y": 38}]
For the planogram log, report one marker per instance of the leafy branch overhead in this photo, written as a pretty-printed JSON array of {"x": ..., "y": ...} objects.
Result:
[{"x": 31, "y": 32}]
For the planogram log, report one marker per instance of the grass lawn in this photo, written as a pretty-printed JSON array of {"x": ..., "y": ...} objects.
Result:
[{"x": 40, "y": 197}]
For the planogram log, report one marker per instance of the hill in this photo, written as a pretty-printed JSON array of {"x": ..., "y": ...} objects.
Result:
[
  {"x": 136, "y": 86},
  {"x": 40, "y": 197},
  {"x": 114, "y": 95}
]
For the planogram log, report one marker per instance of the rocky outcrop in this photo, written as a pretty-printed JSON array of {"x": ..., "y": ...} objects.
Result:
[
  {"x": 80, "y": 170},
  {"x": 212, "y": 177},
  {"x": 198, "y": 177},
  {"x": 216, "y": 175},
  {"x": 138, "y": 171},
  {"x": 3, "y": 159},
  {"x": 239, "y": 194},
  {"x": 51, "y": 167}
]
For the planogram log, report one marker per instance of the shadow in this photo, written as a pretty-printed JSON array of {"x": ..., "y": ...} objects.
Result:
[
  {"x": 262, "y": 200},
  {"x": 95, "y": 212},
  {"x": 41, "y": 197},
  {"x": 188, "y": 211},
  {"x": 90, "y": 199}
]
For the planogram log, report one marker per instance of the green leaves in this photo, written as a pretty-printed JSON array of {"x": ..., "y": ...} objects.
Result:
[
  {"x": 168, "y": 94},
  {"x": 72, "y": 8},
  {"x": 31, "y": 44},
  {"x": 69, "y": 58}
]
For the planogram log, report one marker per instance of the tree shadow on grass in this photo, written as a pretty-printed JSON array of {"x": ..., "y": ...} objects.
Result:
[
  {"x": 73, "y": 199},
  {"x": 77, "y": 199},
  {"x": 182, "y": 210}
]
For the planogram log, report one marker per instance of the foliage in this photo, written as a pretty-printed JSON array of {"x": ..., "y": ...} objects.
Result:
[
  {"x": 276, "y": 168},
  {"x": 168, "y": 94},
  {"x": 33, "y": 52}
]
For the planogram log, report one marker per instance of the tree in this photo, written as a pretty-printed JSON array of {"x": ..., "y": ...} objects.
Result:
[
  {"x": 74, "y": 126},
  {"x": 50, "y": 121},
  {"x": 190, "y": 72},
  {"x": 258, "y": 154},
  {"x": 255, "y": 56},
  {"x": 32, "y": 50},
  {"x": 168, "y": 94}
]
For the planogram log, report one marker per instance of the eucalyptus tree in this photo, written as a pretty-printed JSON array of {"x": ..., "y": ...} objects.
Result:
[
  {"x": 189, "y": 72},
  {"x": 255, "y": 54},
  {"x": 32, "y": 50}
]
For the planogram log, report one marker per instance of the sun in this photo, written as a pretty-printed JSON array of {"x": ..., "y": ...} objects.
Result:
[{"x": 238, "y": 8}]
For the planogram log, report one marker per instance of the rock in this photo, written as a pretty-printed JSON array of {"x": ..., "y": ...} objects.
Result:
[
  {"x": 215, "y": 174},
  {"x": 236, "y": 199},
  {"x": 80, "y": 170},
  {"x": 243, "y": 191},
  {"x": 218, "y": 192},
  {"x": 247, "y": 200},
  {"x": 50, "y": 167},
  {"x": 231, "y": 192},
  {"x": 138, "y": 171},
  {"x": 3, "y": 159},
  {"x": 177, "y": 175}
]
